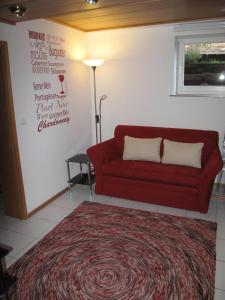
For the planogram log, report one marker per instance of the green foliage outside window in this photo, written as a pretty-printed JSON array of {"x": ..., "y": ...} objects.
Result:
[{"x": 192, "y": 55}]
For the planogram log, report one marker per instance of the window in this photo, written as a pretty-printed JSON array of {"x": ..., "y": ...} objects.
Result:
[{"x": 200, "y": 65}]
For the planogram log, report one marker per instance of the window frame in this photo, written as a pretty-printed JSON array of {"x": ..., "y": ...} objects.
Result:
[{"x": 180, "y": 88}]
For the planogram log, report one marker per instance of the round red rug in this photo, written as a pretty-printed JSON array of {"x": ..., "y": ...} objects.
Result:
[{"x": 102, "y": 252}]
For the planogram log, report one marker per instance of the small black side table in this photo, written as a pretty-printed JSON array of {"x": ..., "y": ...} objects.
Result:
[
  {"x": 81, "y": 178},
  {"x": 6, "y": 281}
]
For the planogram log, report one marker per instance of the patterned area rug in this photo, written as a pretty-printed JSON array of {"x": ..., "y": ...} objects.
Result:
[{"x": 102, "y": 252}]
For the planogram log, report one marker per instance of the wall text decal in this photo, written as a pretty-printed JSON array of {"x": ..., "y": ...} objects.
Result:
[{"x": 47, "y": 57}]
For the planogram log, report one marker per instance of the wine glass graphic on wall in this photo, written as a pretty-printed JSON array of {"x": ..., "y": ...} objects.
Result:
[{"x": 61, "y": 79}]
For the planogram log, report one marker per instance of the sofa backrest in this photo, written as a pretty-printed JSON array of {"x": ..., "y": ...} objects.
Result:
[{"x": 209, "y": 138}]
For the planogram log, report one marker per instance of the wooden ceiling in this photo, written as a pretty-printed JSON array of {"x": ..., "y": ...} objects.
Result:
[{"x": 108, "y": 14}]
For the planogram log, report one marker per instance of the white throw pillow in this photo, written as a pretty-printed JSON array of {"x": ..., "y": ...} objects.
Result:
[
  {"x": 184, "y": 154},
  {"x": 142, "y": 149}
]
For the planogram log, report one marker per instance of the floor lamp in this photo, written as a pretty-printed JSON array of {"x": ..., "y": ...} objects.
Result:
[
  {"x": 100, "y": 116},
  {"x": 93, "y": 63}
]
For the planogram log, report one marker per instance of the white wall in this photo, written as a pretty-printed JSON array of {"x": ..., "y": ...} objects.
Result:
[
  {"x": 43, "y": 154},
  {"x": 137, "y": 77}
]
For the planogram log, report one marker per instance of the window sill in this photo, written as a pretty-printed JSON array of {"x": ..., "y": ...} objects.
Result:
[{"x": 199, "y": 95}]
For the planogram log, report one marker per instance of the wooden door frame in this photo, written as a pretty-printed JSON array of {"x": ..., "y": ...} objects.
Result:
[{"x": 18, "y": 210}]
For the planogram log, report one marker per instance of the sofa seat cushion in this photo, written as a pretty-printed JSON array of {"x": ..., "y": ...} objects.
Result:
[{"x": 157, "y": 172}]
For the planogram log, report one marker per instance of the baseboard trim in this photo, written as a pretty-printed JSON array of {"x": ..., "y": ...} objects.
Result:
[
  {"x": 46, "y": 203},
  {"x": 216, "y": 183},
  {"x": 218, "y": 197}
]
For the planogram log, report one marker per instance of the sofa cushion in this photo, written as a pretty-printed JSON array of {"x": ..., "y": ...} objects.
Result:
[
  {"x": 209, "y": 138},
  {"x": 157, "y": 172},
  {"x": 142, "y": 149},
  {"x": 183, "y": 154}
]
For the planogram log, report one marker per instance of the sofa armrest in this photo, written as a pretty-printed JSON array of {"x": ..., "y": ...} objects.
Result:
[
  {"x": 212, "y": 166},
  {"x": 103, "y": 152},
  {"x": 100, "y": 154}
]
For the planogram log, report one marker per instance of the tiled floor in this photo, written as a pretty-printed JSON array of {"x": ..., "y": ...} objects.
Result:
[{"x": 22, "y": 235}]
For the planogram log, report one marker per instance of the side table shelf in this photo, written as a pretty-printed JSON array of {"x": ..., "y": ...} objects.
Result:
[{"x": 84, "y": 178}]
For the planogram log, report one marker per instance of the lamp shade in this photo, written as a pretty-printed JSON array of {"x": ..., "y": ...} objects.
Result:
[{"x": 93, "y": 62}]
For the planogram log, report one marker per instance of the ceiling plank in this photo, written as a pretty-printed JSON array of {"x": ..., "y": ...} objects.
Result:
[
  {"x": 151, "y": 13},
  {"x": 133, "y": 11},
  {"x": 108, "y": 14},
  {"x": 11, "y": 2},
  {"x": 47, "y": 8}
]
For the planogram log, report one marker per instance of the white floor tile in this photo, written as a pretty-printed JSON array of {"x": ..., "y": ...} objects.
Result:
[
  {"x": 220, "y": 212},
  {"x": 6, "y": 222},
  {"x": 212, "y": 207},
  {"x": 17, "y": 241},
  {"x": 53, "y": 213},
  {"x": 221, "y": 230},
  {"x": 32, "y": 226},
  {"x": 220, "y": 275},
  {"x": 146, "y": 206},
  {"x": 100, "y": 198},
  {"x": 219, "y": 295},
  {"x": 44, "y": 233},
  {"x": 9, "y": 261},
  {"x": 3, "y": 232},
  {"x": 209, "y": 216},
  {"x": 122, "y": 202},
  {"x": 220, "y": 202},
  {"x": 67, "y": 201},
  {"x": 81, "y": 192},
  {"x": 25, "y": 249},
  {"x": 172, "y": 211},
  {"x": 220, "y": 250}
]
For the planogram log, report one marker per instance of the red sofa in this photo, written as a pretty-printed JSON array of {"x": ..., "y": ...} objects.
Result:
[{"x": 164, "y": 184}]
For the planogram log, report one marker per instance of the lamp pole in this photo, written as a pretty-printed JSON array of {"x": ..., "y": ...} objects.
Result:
[
  {"x": 93, "y": 63},
  {"x": 100, "y": 115},
  {"x": 95, "y": 100}
]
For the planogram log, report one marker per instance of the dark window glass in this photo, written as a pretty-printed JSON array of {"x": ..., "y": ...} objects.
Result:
[{"x": 204, "y": 64}]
